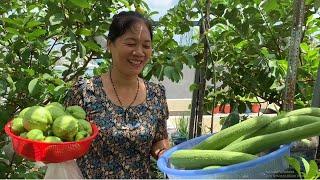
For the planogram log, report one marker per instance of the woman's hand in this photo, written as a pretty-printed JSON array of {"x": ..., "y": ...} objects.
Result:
[{"x": 159, "y": 148}]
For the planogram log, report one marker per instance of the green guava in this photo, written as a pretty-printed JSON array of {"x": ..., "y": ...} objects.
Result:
[
  {"x": 81, "y": 135},
  {"x": 37, "y": 117},
  {"x": 55, "y": 111},
  {"x": 21, "y": 114},
  {"x": 35, "y": 134},
  {"x": 76, "y": 111},
  {"x": 85, "y": 126},
  {"x": 17, "y": 126},
  {"x": 24, "y": 134},
  {"x": 65, "y": 127},
  {"x": 56, "y": 104},
  {"x": 52, "y": 139}
]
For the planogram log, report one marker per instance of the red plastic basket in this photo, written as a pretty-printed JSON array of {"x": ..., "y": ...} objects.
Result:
[{"x": 50, "y": 152}]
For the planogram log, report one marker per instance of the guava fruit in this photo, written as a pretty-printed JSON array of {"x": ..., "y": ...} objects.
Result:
[
  {"x": 37, "y": 117},
  {"x": 35, "y": 134},
  {"x": 76, "y": 111},
  {"x": 65, "y": 127},
  {"x": 21, "y": 114},
  {"x": 56, "y": 104},
  {"x": 24, "y": 134},
  {"x": 81, "y": 135},
  {"x": 85, "y": 126},
  {"x": 55, "y": 111},
  {"x": 52, "y": 139},
  {"x": 17, "y": 126}
]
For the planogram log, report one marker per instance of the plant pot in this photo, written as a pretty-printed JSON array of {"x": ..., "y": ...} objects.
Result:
[
  {"x": 255, "y": 107},
  {"x": 216, "y": 109},
  {"x": 226, "y": 108}
]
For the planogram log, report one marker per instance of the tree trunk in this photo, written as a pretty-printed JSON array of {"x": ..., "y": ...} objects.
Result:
[
  {"x": 316, "y": 103},
  {"x": 294, "y": 53},
  {"x": 195, "y": 126}
]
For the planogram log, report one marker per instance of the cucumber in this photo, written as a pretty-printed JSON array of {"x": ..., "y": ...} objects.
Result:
[
  {"x": 212, "y": 167},
  {"x": 286, "y": 123},
  {"x": 260, "y": 143},
  {"x": 312, "y": 111},
  {"x": 198, "y": 159},
  {"x": 226, "y": 136}
]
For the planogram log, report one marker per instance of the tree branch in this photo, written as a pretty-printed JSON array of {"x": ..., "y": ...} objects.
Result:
[
  {"x": 272, "y": 34},
  {"x": 54, "y": 43},
  {"x": 80, "y": 69}
]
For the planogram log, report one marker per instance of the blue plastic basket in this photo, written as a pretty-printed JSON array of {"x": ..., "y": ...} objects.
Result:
[{"x": 263, "y": 167}]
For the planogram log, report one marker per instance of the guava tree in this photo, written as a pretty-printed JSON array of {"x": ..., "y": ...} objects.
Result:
[{"x": 249, "y": 43}]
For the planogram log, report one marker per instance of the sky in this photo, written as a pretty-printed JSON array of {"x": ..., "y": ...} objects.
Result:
[{"x": 161, "y": 6}]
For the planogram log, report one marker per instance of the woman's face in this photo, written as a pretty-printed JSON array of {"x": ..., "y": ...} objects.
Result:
[{"x": 131, "y": 51}]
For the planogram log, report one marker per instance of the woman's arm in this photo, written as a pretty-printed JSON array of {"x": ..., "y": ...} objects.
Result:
[
  {"x": 161, "y": 140},
  {"x": 159, "y": 148}
]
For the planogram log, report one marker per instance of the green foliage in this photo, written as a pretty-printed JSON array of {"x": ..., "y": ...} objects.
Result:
[
  {"x": 182, "y": 126},
  {"x": 305, "y": 169}
]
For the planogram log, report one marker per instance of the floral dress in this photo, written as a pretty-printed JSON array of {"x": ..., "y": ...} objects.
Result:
[{"x": 123, "y": 145}]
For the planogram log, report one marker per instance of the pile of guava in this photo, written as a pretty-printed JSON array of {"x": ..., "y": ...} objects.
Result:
[{"x": 52, "y": 123}]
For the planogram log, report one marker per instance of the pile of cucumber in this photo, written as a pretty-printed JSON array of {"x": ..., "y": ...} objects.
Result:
[{"x": 245, "y": 140}]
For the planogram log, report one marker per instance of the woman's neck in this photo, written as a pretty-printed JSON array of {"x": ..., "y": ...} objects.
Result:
[{"x": 121, "y": 80}]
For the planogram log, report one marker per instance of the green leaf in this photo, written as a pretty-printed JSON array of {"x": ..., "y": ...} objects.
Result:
[
  {"x": 270, "y": 5},
  {"x": 26, "y": 55},
  {"x": 85, "y": 32},
  {"x": 193, "y": 87},
  {"x": 168, "y": 71},
  {"x": 36, "y": 34},
  {"x": 9, "y": 58},
  {"x": 82, "y": 49},
  {"x": 44, "y": 60},
  {"x": 3, "y": 86},
  {"x": 59, "y": 90},
  {"x": 81, "y": 3},
  {"x": 242, "y": 44},
  {"x": 29, "y": 72},
  {"x": 12, "y": 30},
  {"x": 175, "y": 76},
  {"x": 92, "y": 46},
  {"x": 313, "y": 170},
  {"x": 295, "y": 164},
  {"x": 147, "y": 69},
  {"x": 305, "y": 164},
  {"x": 304, "y": 47},
  {"x": 32, "y": 24},
  {"x": 33, "y": 86}
]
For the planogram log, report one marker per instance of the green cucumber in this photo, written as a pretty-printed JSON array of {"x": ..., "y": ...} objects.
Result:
[
  {"x": 312, "y": 111},
  {"x": 198, "y": 159},
  {"x": 286, "y": 123},
  {"x": 212, "y": 167},
  {"x": 228, "y": 135},
  {"x": 261, "y": 143}
]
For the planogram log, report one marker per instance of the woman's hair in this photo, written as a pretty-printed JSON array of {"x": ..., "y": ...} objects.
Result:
[{"x": 124, "y": 21}]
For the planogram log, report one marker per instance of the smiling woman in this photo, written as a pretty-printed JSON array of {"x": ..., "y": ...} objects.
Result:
[{"x": 130, "y": 111}]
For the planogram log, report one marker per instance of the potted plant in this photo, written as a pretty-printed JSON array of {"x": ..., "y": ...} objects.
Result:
[
  {"x": 227, "y": 108},
  {"x": 255, "y": 107},
  {"x": 216, "y": 109},
  {"x": 182, "y": 133}
]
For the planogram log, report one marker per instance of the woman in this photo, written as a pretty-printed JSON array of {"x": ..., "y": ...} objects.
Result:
[{"x": 130, "y": 112}]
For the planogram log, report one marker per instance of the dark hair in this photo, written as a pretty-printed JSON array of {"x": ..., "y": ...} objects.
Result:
[{"x": 123, "y": 21}]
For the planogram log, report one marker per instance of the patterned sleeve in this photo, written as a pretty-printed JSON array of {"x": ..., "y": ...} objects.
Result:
[
  {"x": 75, "y": 94},
  {"x": 161, "y": 129}
]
